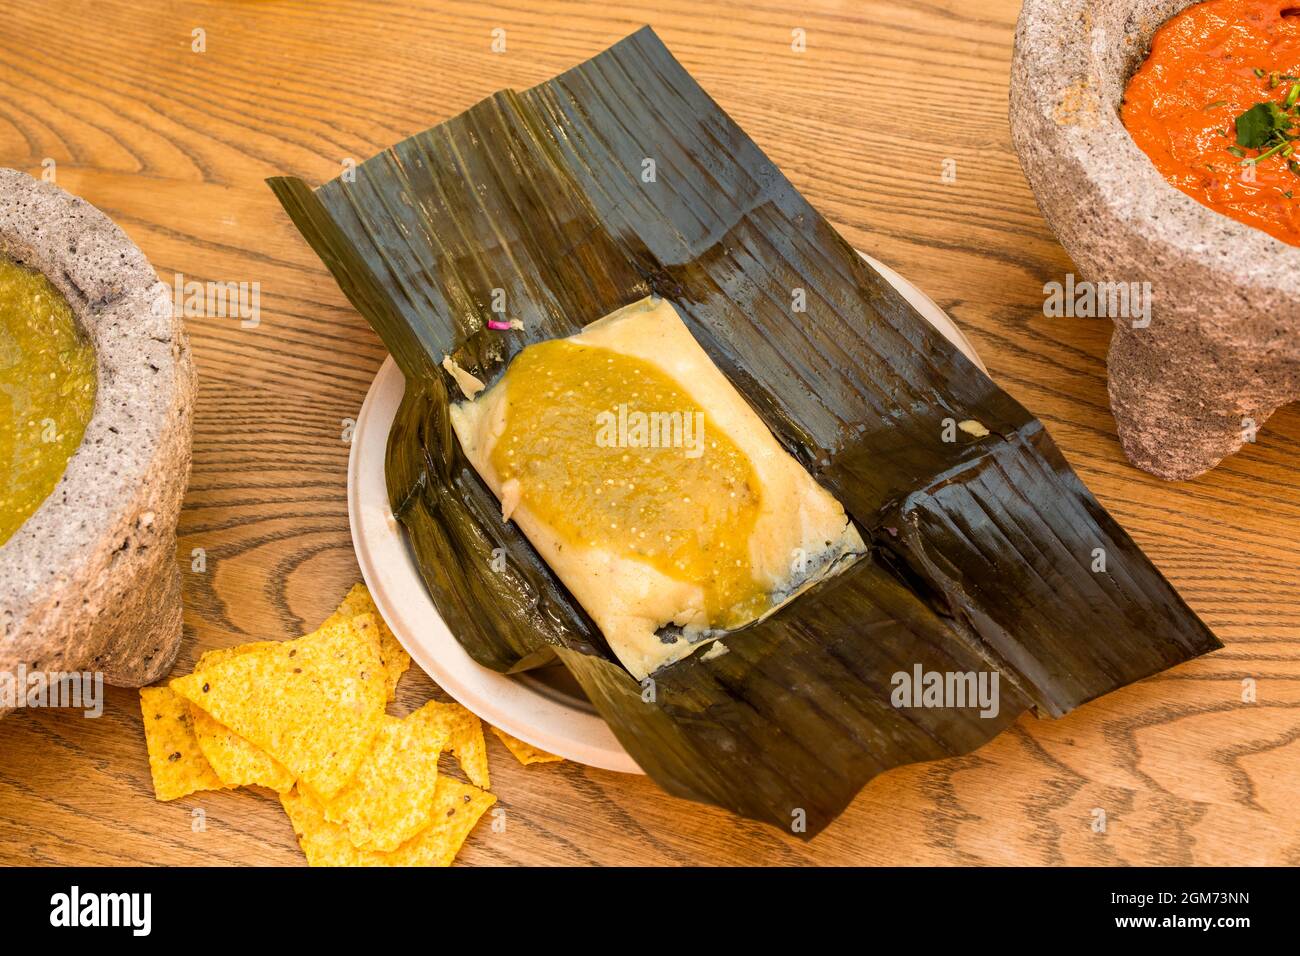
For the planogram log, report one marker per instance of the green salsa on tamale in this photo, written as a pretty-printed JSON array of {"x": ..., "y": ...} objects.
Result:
[{"x": 47, "y": 391}]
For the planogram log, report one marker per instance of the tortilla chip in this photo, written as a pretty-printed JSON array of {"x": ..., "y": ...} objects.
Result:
[
  {"x": 219, "y": 655},
  {"x": 176, "y": 763},
  {"x": 234, "y": 760},
  {"x": 464, "y": 739},
  {"x": 391, "y": 798},
  {"x": 525, "y": 753},
  {"x": 313, "y": 704},
  {"x": 396, "y": 660},
  {"x": 457, "y": 807}
]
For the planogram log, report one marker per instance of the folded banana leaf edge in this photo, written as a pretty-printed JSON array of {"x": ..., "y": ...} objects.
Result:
[{"x": 554, "y": 206}]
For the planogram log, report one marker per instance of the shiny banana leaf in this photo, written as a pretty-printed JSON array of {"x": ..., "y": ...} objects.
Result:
[{"x": 555, "y": 206}]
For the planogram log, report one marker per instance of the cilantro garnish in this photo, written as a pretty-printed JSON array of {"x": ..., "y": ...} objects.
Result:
[
  {"x": 1262, "y": 125},
  {"x": 1269, "y": 127}
]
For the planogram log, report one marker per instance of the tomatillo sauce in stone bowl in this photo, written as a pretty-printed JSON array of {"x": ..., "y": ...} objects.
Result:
[
  {"x": 89, "y": 580},
  {"x": 47, "y": 391},
  {"x": 1217, "y": 350}
]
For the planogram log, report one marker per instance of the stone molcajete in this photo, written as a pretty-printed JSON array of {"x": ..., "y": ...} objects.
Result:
[
  {"x": 90, "y": 581},
  {"x": 1222, "y": 350}
]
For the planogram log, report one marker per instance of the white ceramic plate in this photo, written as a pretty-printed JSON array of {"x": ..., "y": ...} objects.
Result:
[{"x": 544, "y": 707}]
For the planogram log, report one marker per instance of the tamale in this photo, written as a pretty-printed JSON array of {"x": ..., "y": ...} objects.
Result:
[
  {"x": 542, "y": 211},
  {"x": 670, "y": 524}
]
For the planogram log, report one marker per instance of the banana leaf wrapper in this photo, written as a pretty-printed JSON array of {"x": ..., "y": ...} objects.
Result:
[{"x": 621, "y": 178}]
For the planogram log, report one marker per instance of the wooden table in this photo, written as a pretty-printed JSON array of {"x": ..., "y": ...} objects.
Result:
[{"x": 174, "y": 145}]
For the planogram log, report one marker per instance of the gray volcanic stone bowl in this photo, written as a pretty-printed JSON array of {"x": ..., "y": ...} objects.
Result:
[
  {"x": 1222, "y": 351},
  {"x": 90, "y": 581}
]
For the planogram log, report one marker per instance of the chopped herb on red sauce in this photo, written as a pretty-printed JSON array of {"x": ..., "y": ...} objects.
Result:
[{"x": 1225, "y": 70}]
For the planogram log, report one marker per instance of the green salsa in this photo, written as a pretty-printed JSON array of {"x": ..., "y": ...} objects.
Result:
[{"x": 47, "y": 391}]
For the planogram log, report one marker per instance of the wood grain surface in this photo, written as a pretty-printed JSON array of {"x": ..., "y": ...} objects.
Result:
[{"x": 174, "y": 145}]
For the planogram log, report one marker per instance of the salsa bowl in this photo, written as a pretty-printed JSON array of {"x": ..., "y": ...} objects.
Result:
[
  {"x": 89, "y": 582},
  {"x": 1218, "y": 350}
]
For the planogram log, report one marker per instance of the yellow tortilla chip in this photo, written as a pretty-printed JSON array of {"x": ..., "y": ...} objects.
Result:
[
  {"x": 464, "y": 738},
  {"x": 176, "y": 763},
  {"x": 234, "y": 760},
  {"x": 313, "y": 704},
  {"x": 219, "y": 655},
  {"x": 396, "y": 660},
  {"x": 237, "y": 762},
  {"x": 457, "y": 807},
  {"x": 525, "y": 753},
  {"x": 391, "y": 798}
]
